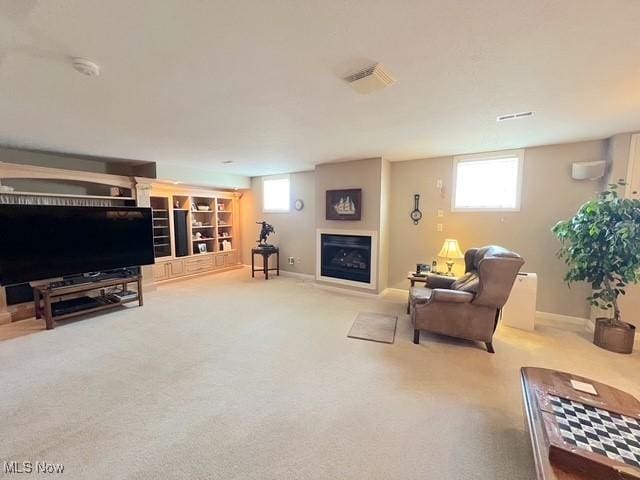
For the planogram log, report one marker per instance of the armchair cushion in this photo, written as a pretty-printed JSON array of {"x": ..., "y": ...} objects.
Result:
[
  {"x": 450, "y": 296},
  {"x": 438, "y": 281},
  {"x": 421, "y": 295},
  {"x": 470, "y": 284},
  {"x": 462, "y": 280}
]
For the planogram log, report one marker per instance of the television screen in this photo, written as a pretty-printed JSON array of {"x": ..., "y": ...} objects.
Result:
[{"x": 39, "y": 242}]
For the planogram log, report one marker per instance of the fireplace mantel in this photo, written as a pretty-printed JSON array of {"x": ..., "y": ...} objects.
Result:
[{"x": 372, "y": 284}]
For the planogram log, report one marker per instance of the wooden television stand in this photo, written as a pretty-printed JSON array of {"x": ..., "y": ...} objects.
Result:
[{"x": 43, "y": 295}]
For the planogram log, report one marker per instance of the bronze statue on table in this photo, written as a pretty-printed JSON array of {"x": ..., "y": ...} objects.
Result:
[{"x": 265, "y": 231}]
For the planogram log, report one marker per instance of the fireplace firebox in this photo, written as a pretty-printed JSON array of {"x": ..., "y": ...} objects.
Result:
[{"x": 347, "y": 257}]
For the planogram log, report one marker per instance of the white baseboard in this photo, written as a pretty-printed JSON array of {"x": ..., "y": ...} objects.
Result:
[
  {"x": 303, "y": 276},
  {"x": 398, "y": 291},
  {"x": 287, "y": 273},
  {"x": 562, "y": 318},
  {"x": 309, "y": 277},
  {"x": 587, "y": 323},
  {"x": 312, "y": 278},
  {"x": 347, "y": 291},
  {"x": 357, "y": 293}
]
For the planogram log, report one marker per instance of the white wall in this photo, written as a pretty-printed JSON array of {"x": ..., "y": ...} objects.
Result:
[
  {"x": 201, "y": 176},
  {"x": 294, "y": 231}
]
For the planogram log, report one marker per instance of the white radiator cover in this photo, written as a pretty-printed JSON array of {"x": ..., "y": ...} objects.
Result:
[{"x": 520, "y": 309}]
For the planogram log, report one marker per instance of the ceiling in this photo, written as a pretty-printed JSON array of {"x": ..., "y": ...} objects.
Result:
[{"x": 258, "y": 82}]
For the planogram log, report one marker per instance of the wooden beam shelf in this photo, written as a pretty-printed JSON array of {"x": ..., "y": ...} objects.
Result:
[{"x": 67, "y": 195}]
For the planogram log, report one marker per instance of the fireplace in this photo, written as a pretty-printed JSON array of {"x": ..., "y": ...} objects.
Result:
[{"x": 347, "y": 257}]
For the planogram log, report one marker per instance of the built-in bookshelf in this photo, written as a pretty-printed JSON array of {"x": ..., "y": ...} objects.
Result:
[
  {"x": 224, "y": 222},
  {"x": 161, "y": 227},
  {"x": 203, "y": 226},
  {"x": 202, "y": 230}
]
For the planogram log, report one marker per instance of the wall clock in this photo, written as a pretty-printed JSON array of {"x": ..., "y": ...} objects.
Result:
[
  {"x": 416, "y": 214},
  {"x": 298, "y": 205}
]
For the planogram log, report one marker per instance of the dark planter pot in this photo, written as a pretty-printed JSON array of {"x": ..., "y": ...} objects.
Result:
[{"x": 615, "y": 339}]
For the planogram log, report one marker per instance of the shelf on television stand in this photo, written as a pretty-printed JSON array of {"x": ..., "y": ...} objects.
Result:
[{"x": 43, "y": 295}]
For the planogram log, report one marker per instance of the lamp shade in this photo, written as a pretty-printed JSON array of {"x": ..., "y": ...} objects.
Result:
[{"x": 450, "y": 249}]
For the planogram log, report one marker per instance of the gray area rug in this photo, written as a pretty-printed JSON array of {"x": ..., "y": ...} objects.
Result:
[{"x": 376, "y": 327}]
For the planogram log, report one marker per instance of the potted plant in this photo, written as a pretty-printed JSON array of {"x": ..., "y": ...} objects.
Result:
[{"x": 601, "y": 245}]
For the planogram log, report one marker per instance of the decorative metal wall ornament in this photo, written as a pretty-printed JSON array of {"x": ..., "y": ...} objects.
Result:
[
  {"x": 416, "y": 214},
  {"x": 265, "y": 231}
]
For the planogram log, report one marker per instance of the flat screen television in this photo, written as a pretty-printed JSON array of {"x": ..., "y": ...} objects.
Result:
[{"x": 39, "y": 242}]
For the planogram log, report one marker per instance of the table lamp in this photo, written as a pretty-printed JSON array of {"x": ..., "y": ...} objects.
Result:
[{"x": 451, "y": 251}]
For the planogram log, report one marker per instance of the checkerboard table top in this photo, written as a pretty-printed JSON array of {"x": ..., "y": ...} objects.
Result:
[
  {"x": 580, "y": 428},
  {"x": 599, "y": 431}
]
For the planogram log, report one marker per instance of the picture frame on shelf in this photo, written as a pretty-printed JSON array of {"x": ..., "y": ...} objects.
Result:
[
  {"x": 423, "y": 268},
  {"x": 202, "y": 248}
]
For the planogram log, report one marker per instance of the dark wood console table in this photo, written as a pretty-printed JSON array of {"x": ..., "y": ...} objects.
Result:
[
  {"x": 266, "y": 253},
  {"x": 44, "y": 295},
  {"x": 548, "y": 396}
]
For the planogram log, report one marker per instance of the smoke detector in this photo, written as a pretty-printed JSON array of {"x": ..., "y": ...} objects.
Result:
[
  {"x": 370, "y": 79},
  {"x": 85, "y": 67}
]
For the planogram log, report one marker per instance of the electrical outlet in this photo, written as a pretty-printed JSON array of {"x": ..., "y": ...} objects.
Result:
[
  {"x": 292, "y": 260},
  {"x": 439, "y": 227},
  {"x": 440, "y": 213},
  {"x": 439, "y": 183}
]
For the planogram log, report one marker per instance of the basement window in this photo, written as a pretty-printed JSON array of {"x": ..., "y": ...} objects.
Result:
[
  {"x": 487, "y": 182},
  {"x": 275, "y": 194}
]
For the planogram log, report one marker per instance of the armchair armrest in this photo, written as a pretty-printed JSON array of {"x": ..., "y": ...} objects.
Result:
[
  {"x": 450, "y": 296},
  {"x": 438, "y": 281},
  {"x": 423, "y": 296}
]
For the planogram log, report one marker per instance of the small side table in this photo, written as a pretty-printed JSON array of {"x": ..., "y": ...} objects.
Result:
[
  {"x": 266, "y": 253},
  {"x": 413, "y": 278}
]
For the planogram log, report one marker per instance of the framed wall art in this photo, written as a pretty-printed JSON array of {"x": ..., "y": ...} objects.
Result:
[{"x": 344, "y": 204}]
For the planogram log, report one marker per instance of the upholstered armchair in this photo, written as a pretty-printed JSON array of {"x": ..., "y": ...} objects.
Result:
[{"x": 467, "y": 307}]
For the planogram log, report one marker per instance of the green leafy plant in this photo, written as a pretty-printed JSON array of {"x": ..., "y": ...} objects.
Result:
[{"x": 601, "y": 245}]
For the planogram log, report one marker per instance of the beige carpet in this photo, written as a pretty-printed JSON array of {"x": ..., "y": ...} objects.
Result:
[
  {"x": 225, "y": 377},
  {"x": 375, "y": 327}
]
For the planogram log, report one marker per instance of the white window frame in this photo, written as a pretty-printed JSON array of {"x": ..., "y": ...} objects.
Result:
[
  {"x": 519, "y": 154},
  {"x": 277, "y": 210}
]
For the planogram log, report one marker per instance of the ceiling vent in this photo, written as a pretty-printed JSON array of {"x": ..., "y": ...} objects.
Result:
[
  {"x": 514, "y": 116},
  {"x": 370, "y": 79},
  {"x": 85, "y": 67}
]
